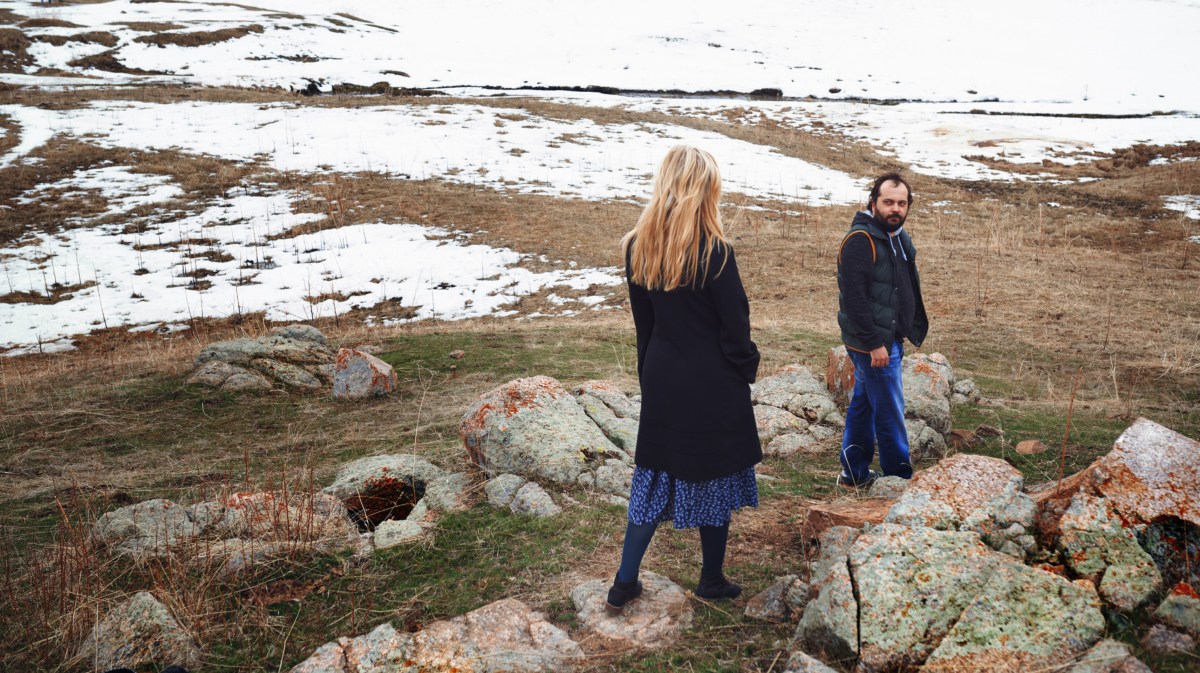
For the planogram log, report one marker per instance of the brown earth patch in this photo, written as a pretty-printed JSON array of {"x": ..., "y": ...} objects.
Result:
[
  {"x": 150, "y": 26},
  {"x": 108, "y": 62},
  {"x": 200, "y": 37},
  {"x": 47, "y": 23},
  {"x": 13, "y": 55},
  {"x": 55, "y": 293},
  {"x": 92, "y": 37}
]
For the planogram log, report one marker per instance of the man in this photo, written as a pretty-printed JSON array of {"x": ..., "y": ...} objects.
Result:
[{"x": 879, "y": 307}]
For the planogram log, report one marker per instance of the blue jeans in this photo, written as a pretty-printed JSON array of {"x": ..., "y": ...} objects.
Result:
[{"x": 876, "y": 415}]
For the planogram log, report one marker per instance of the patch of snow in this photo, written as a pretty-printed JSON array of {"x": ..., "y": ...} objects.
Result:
[{"x": 1188, "y": 204}]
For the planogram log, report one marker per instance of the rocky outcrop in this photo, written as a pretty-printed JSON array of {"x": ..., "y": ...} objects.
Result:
[
  {"x": 145, "y": 528},
  {"x": 1097, "y": 546},
  {"x": 139, "y": 632},
  {"x": 293, "y": 356},
  {"x": 784, "y": 600},
  {"x": 652, "y": 621},
  {"x": 502, "y": 637},
  {"x": 534, "y": 428}
]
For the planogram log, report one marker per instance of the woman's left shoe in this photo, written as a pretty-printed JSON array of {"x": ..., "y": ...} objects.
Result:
[
  {"x": 717, "y": 587},
  {"x": 619, "y": 594}
]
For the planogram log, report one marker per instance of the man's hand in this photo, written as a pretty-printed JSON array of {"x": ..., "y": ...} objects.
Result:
[{"x": 879, "y": 357}]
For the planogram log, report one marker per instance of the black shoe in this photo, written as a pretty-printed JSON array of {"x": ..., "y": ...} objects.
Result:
[
  {"x": 846, "y": 481},
  {"x": 619, "y": 594},
  {"x": 174, "y": 669},
  {"x": 717, "y": 587}
]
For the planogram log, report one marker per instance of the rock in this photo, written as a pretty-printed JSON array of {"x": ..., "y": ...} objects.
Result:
[
  {"x": 772, "y": 605},
  {"x": 152, "y": 524},
  {"x": 286, "y": 373},
  {"x": 855, "y": 514},
  {"x": 1163, "y": 641},
  {"x": 502, "y": 637},
  {"x": 888, "y": 487},
  {"x": 276, "y": 347},
  {"x": 1181, "y": 609},
  {"x": 1030, "y": 447},
  {"x": 531, "y": 499},
  {"x": 315, "y": 517},
  {"x": 534, "y": 428},
  {"x": 1174, "y": 545},
  {"x": 965, "y": 482},
  {"x": 839, "y": 374},
  {"x": 390, "y": 533},
  {"x": 139, "y": 632},
  {"x": 965, "y": 392},
  {"x": 788, "y": 444},
  {"x": 213, "y": 374},
  {"x": 1005, "y": 523},
  {"x": 962, "y": 439},
  {"x": 652, "y": 621},
  {"x": 622, "y": 432},
  {"x": 1019, "y": 619},
  {"x": 920, "y": 509},
  {"x": 458, "y": 354},
  {"x": 449, "y": 492},
  {"x": 206, "y": 514},
  {"x": 361, "y": 375},
  {"x": 612, "y": 397},
  {"x": 300, "y": 332},
  {"x": 237, "y": 555},
  {"x": 773, "y": 421},
  {"x": 926, "y": 576},
  {"x": 235, "y": 351},
  {"x": 797, "y": 390},
  {"x": 501, "y": 489},
  {"x": 928, "y": 379},
  {"x": 1107, "y": 656},
  {"x": 1096, "y": 544},
  {"x": 829, "y": 625},
  {"x": 924, "y": 443},
  {"x": 1151, "y": 474},
  {"x": 799, "y": 662},
  {"x": 364, "y": 475},
  {"x": 420, "y": 511},
  {"x": 985, "y": 430},
  {"x": 246, "y": 380},
  {"x": 617, "y": 500},
  {"x": 614, "y": 477}
]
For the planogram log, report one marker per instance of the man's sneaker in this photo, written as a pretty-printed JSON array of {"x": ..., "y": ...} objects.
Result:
[
  {"x": 846, "y": 481},
  {"x": 619, "y": 594}
]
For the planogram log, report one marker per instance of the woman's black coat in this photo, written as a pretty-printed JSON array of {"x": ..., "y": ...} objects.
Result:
[{"x": 696, "y": 363}]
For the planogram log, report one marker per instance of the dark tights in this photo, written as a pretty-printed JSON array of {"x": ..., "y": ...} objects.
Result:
[{"x": 637, "y": 539}]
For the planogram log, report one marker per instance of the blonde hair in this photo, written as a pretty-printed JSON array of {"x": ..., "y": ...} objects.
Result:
[{"x": 677, "y": 231}]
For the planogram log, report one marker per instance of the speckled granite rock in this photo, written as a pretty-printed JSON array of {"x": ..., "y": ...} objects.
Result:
[
  {"x": 534, "y": 428},
  {"x": 532, "y": 499},
  {"x": 773, "y": 421},
  {"x": 1095, "y": 544},
  {"x": 145, "y": 526},
  {"x": 1107, "y": 656},
  {"x": 361, "y": 376},
  {"x": 1181, "y": 609},
  {"x": 799, "y": 662},
  {"x": 501, "y": 489},
  {"x": 139, "y": 632},
  {"x": 829, "y": 625},
  {"x": 652, "y": 621}
]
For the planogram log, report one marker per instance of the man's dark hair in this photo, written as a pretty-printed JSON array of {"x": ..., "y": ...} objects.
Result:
[{"x": 885, "y": 178}]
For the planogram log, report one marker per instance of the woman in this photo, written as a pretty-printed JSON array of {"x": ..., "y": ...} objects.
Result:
[{"x": 697, "y": 442}]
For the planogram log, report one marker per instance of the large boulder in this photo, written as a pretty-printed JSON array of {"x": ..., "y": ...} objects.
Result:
[
  {"x": 295, "y": 356},
  {"x": 384, "y": 487},
  {"x": 533, "y": 427},
  {"x": 603, "y": 405},
  {"x": 1096, "y": 545},
  {"x": 652, "y": 621},
  {"x": 502, "y": 637},
  {"x": 360, "y": 375},
  {"x": 139, "y": 632},
  {"x": 796, "y": 389},
  {"x": 829, "y": 624},
  {"x": 147, "y": 527},
  {"x": 928, "y": 383}
]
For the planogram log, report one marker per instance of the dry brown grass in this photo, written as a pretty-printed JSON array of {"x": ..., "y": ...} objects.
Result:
[
  {"x": 150, "y": 26},
  {"x": 200, "y": 37},
  {"x": 47, "y": 22},
  {"x": 109, "y": 62},
  {"x": 93, "y": 37},
  {"x": 13, "y": 54}
]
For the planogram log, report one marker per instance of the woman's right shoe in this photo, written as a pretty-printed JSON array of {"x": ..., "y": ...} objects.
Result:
[
  {"x": 619, "y": 594},
  {"x": 713, "y": 588}
]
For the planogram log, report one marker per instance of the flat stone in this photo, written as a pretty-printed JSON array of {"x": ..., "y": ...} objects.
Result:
[
  {"x": 652, "y": 621},
  {"x": 773, "y": 421},
  {"x": 1164, "y": 641},
  {"x": 501, "y": 489},
  {"x": 965, "y": 482},
  {"x": 1107, "y": 656},
  {"x": 849, "y": 513},
  {"x": 1152, "y": 473},
  {"x": 1031, "y": 447},
  {"x": 531, "y": 499},
  {"x": 1020, "y": 619},
  {"x": 888, "y": 487},
  {"x": 139, "y": 632},
  {"x": 799, "y": 662},
  {"x": 391, "y": 533}
]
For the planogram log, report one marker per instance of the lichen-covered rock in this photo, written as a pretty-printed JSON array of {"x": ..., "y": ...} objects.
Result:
[
  {"x": 533, "y": 427},
  {"x": 1174, "y": 545},
  {"x": 797, "y": 390},
  {"x": 796, "y": 442},
  {"x": 1095, "y": 544},
  {"x": 912, "y": 585},
  {"x": 924, "y": 443},
  {"x": 652, "y": 621},
  {"x": 1005, "y": 522},
  {"x": 300, "y": 332},
  {"x": 928, "y": 380},
  {"x": 390, "y": 533},
  {"x": 361, "y": 376},
  {"x": 888, "y": 487},
  {"x": 772, "y": 604},
  {"x": 502, "y": 637},
  {"x": 315, "y": 517},
  {"x": 1162, "y": 641},
  {"x": 139, "y": 632},
  {"x": 234, "y": 351},
  {"x": 244, "y": 381},
  {"x": 1181, "y": 609},
  {"x": 531, "y": 499},
  {"x": 501, "y": 489},
  {"x": 286, "y": 373},
  {"x": 449, "y": 492},
  {"x": 1019, "y": 619},
  {"x": 799, "y": 662},
  {"x": 1107, "y": 656},
  {"x": 206, "y": 514},
  {"x": 965, "y": 482},
  {"x": 614, "y": 476},
  {"x": 773, "y": 421},
  {"x": 361, "y": 476},
  {"x": 622, "y": 432},
  {"x": 920, "y": 509},
  {"x": 148, "y": 525},
  {"x": 612, "y": 396},
  {"x": 965, "y": 392},
  {"x": 829, "y": 625},
  {"x": 213, "y": 374}
]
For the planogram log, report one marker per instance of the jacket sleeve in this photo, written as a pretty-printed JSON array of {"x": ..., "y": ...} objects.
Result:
[
  {"x": 857, "y": 272},
  {"x": 733, "y": 309},
  {"x": 643, "y": 317}
]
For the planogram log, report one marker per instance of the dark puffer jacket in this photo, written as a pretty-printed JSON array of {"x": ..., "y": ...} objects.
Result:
[{"x": 865, "y": 328}]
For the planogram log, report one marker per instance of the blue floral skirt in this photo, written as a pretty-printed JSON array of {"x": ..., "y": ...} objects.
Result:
[{"x": 657, "y": 496}]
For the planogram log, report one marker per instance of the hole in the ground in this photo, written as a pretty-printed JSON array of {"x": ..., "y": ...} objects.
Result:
[{"x": 384, "y": 498}]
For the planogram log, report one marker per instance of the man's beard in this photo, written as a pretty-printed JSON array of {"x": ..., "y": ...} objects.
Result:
[{"x": 889, "y": 227}]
